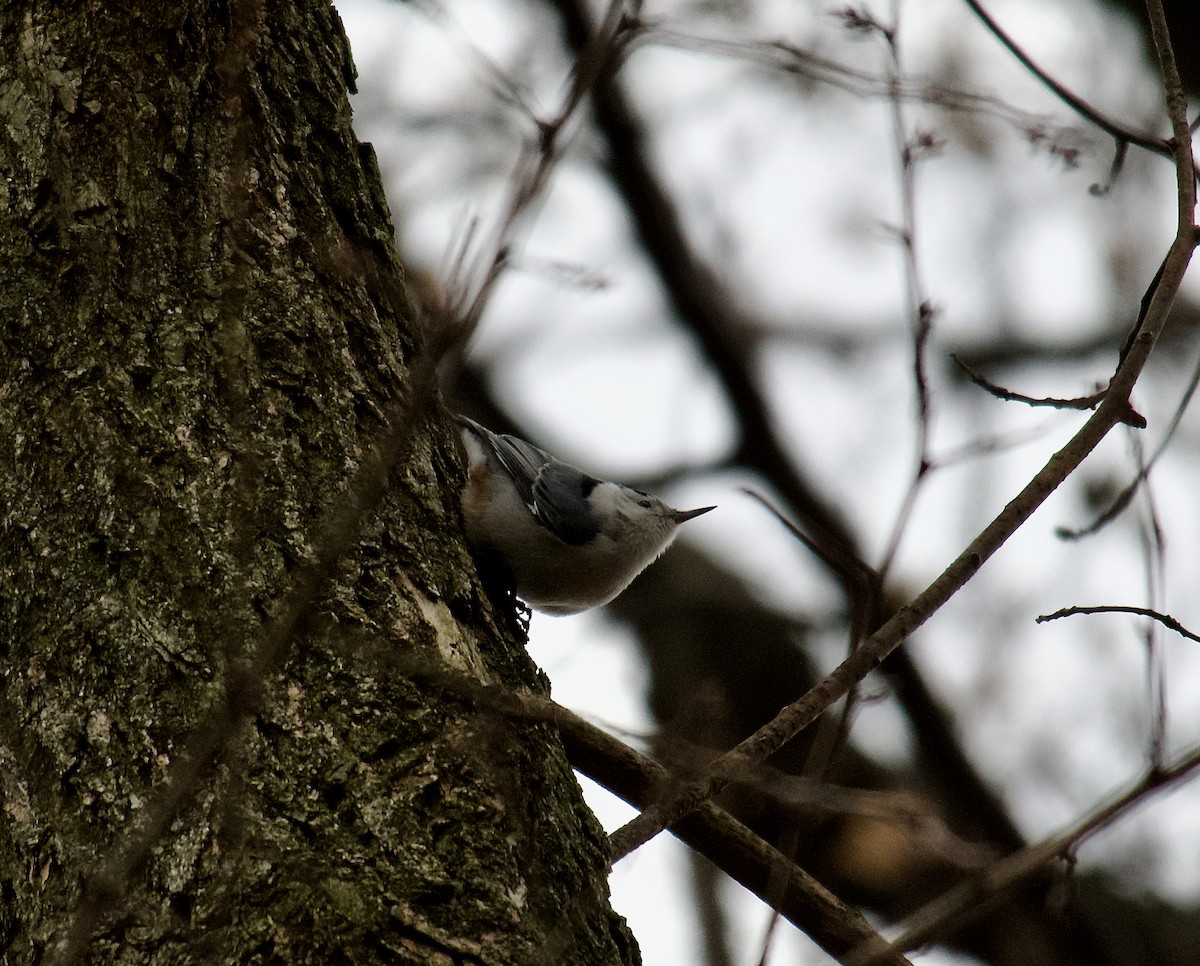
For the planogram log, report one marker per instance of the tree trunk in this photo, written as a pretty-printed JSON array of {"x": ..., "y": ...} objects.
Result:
[{"x": 200, "y": 345}]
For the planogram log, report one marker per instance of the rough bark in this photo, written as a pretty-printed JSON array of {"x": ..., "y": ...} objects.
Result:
[{"x": 199, "y": 344}]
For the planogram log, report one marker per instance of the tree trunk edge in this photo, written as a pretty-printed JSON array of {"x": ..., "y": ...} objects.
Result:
[{"x": 191, "y": 372}]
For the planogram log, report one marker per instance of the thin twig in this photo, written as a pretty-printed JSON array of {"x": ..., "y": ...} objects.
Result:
[
  {"x": 528, "y": 189},
  {"x": 908, "y": 151},
  {"x": 1154, "y": 549},
  {"x": 1081, "y": 107},
  {"x": 983, "y": 446},
  {"x": 1166, "y": 620},
  {"x": 1125, "y": 497},
  {"x": 1130, "y": 418},
  {"x": 784, "y": 57},
  {"x": 859, "y": 576}
]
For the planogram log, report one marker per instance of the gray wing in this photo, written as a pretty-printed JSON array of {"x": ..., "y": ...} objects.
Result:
[
  {"x": 522, "y": 461},
  {"x": 555, "y": 492},
  {"x": 560, "y": 501}
]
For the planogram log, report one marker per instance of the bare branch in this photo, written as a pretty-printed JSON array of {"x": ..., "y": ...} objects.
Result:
[
  {"x": 1166, "y": 620},
  {"x": 958, "y": 906},
  {"x": 1130, "y": 418},
  {"x": 711, "y": 831},
  {"x": 908, "y": 151},
  {"x": 592, "y": 61},
  {"x": 1125, "y": 497},
  {"x": 1118, "y": 132}
]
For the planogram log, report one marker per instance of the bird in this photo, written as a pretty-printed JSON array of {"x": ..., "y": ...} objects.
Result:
[{"x": 567, "y": 540}]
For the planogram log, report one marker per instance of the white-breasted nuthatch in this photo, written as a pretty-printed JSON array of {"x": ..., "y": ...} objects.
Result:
[{"x": 568, "y": 540}]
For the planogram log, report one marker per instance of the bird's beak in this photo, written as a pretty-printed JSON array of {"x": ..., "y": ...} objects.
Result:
[{"x": 683, "y": 515}]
